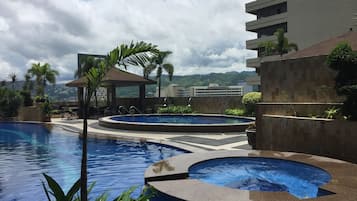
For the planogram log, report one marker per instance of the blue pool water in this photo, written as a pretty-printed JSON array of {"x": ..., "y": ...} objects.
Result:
[
  {"x": 28, "y": 150},
  {"x": 263, "y": 174},
  {"x": 181, "y": 119}
]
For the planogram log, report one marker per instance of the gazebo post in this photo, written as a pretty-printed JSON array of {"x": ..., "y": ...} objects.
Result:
[
  {"x": 114, "y": 97},
  {"x": 80, "y": 101},
  {"x": 142, "y": 97}
]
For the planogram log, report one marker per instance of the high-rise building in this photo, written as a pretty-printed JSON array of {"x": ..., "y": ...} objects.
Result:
[{"x": 305, "y": 22}]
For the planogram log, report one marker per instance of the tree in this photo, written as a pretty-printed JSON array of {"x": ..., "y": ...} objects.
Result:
[
  {"x": 158, "y": 63},
  {"x": 124, "y": 55},
  {"x": 86, "y": 64},
  {"x": 12, "y": 76},
  {"x": 282, "y": 46},
  {"x": 43, "y": 74},
  {"x": 344, "y": 60}
]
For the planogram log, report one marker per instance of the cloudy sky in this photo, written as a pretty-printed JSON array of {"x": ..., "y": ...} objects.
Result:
[{"x": 204, "y": 35}]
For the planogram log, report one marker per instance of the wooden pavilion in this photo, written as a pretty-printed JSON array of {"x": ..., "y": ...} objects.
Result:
[{"x": 112, "y": 79}]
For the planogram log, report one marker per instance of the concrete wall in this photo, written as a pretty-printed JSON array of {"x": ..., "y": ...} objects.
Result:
[
  {"x": 298, "y": 80},
  {"x": 198, "y": 104},
  {"x": 312, "y": 21},
  {"x": 331, "y": 138},
  {"x": 31, "y": 113}
]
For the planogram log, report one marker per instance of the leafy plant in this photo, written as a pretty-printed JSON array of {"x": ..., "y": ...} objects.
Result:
[
  {"x": 235, "y": 111},
  {"x": 249, "y": 101},
  {"x": 56, "y": 191},
  {"x": 46, "y": 106},
  {"x": 282, "y": 46},
  {"x": 344, "y": 60},
  {"x": 331, "y": 113},
  {"x": 175, "y": 110},
  {"x": 10, "y": 101}
]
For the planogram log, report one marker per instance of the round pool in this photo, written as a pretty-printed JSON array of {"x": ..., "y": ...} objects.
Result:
[
  {"x": 28, "y": 150},
  {"x": 262, "y": 174},
  {"x": 177, "y": 123}
]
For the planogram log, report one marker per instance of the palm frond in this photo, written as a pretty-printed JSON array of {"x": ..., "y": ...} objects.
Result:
[{"x": 169, "y": 68}]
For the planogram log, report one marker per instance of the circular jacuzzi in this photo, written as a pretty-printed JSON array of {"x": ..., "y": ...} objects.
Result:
[
  {"x": 262, "y": 174},
  {"x": 178, "y": 123},
  {"x": 245, "y": 175}
]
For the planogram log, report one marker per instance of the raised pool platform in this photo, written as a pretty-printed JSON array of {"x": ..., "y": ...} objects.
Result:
[
  {"x": 178, "y": 123},
  {"x": 171, "y": 178}
]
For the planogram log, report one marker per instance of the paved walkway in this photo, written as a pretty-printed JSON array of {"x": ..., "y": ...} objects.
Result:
[{"x": 207, "y": 141}]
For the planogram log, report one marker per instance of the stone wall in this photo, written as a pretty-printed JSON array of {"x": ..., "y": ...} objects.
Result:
[
  {"x": 31, "y": 113},
  {"x": 298, "y": 80},
  {"x": 331, "y": 138},
  {"x": 198, "y": 104}
]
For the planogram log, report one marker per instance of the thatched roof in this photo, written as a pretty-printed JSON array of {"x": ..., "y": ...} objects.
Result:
[
  {"x": 114, "y": 77},
  {"x": 325, "y": 47}
]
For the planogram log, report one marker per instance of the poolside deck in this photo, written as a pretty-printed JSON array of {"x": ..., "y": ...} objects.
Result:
[{"x": 192, "y": 141}]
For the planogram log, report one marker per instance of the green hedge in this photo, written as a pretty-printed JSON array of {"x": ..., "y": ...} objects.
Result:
[
  {"x": 175, "y": 110},
  {"x": 235, "y": 112}
]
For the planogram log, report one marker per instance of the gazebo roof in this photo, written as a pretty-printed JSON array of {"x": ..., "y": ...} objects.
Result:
[
  {"x": 325, "y": 47},
  {"x": 114, "y": 77}
]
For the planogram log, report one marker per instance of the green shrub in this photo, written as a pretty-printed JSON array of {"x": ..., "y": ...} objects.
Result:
[
  {"x": 343, "y": 60},
  {"x": 235, "y": 111},
  {"x": 10, "y": 101},
  {"x": 331, "y": 113},
  {"x": 175, "y": 110},
  {"x": 54, "y": 190},
  {"x": 26, "y": 95},
  {"x": 249, "y": 101}
]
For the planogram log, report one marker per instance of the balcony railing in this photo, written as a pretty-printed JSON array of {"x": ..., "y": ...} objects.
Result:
[
  {"x": 252, "y": 7},
  {"x": 266, "y": 22}
]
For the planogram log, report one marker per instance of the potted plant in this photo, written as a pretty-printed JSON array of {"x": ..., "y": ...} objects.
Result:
[{"x": 251, "y": 134}]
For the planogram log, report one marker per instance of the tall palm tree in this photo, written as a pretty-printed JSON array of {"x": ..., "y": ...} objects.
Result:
[
  {"x": 43, "y": 74},
  {"x": 158, "y": 63},
  {"x": 282, "y": 46},
  {"x": 12, "y": 76},
  {"x": 124, "y": 55}
]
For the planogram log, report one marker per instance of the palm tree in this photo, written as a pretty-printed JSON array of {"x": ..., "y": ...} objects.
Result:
[
  {"x": 157, "y": 62},
  {"x": 28, "y": 84},
  {"x": 12, "y": 76},
  {"x": 124, "y": 55},
  {"x": 281, "y": 47},
  {"x": 43, "y": 74}
]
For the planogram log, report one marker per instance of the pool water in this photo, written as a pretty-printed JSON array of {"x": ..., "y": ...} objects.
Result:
[
  {"x": 181, "y": 119},
  {"x": 263, "y": 174},
  {"x": 28, "y": 150}
]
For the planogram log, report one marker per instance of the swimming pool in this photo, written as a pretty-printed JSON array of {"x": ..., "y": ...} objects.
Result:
[
  {"x": 263, "y": 174},
  {"x": 28, "y": 150},
  {"x": 178, "y": 122}
]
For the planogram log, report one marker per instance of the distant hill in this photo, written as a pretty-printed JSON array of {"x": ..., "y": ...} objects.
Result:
[{"x": 60, "y": 92}]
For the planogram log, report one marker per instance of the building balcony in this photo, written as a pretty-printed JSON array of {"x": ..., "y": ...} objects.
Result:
[
  {"x": 255, "y": 62},
  {"x": 252, "y": 7},
  {"x": 254, "y": 43},
  {"x": 266, "y": 22}
]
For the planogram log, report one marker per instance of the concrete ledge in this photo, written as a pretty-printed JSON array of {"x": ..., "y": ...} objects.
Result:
[{"x": 169, "y": 127}]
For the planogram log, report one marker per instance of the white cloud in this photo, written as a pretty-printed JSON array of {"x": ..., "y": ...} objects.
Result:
[
  {"x": 204, "y": 35},
  {"x": 4, "y": 26}
]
